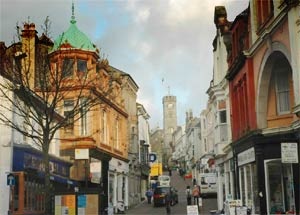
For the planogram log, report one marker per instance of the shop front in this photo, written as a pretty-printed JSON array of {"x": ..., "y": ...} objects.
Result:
[
  {"x": 27, "y": 195},
  {"x": 225, "y": 174},
  {"x": 118, "y": 185},
  {"x": 265, "y": 183}
]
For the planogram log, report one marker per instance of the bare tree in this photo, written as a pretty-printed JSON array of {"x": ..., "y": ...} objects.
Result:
[{"x": 37, "y": 89}]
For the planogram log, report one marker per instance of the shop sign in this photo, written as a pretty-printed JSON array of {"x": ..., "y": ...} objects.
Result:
[
  {"x": 152, "y": 157},
  {"x": 11, "y": 180},
  {"x": 247, "y": 156},
  {"x": 289, "y": 153},
  {"x": 81, "y": 154}
]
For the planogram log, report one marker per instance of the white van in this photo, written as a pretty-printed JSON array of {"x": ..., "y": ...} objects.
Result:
[
  {"x": 164, "y": 180},
  {"x": 208, "y": 185}
]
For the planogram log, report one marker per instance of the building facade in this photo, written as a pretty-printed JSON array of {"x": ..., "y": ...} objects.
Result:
[
  {"x": 95, "y": 144},
  {"x": 219, "y": 97},
  {"x": 262, "y": 65}
]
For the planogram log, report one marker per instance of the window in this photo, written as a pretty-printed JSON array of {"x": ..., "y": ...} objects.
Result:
[
  {"x": 280, "y": 190},
  {"x": 103, "y": 127},
  {"x": 83, "y": 116},
  {"x": 69, "y": 115},
  {"x": 170, "y": 105},
  {"x": 282, "y": 92},
  {"x": 67, "y": 70},
  {"x": 264, "y": 11},
  {"x": 81, "y": 66},
  {"x": 117, "y": 140},
  {"x": 222, "y": 115}
]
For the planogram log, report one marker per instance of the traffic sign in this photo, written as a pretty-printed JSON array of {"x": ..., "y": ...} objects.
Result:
[
  {"x": 11, "y": 180},
  {"x": 152, "y": 157}
]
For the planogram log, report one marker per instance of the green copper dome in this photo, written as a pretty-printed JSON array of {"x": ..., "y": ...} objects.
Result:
[{"x": 75, "y": 38}]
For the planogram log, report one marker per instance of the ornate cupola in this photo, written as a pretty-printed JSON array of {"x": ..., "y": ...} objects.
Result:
[{"x": 73, "y": 38}]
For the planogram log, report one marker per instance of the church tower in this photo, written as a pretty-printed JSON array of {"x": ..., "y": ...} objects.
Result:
[{"x": 170, "y": 125}]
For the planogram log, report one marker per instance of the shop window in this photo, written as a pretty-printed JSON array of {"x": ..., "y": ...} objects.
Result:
[
  {"x": 248, "y": 187},
  {"x": 111, "y": 190},
  {"x": 280, "y": 189}
]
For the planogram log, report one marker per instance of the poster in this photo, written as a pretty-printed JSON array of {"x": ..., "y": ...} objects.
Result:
[{"x": 192, "y": 210}]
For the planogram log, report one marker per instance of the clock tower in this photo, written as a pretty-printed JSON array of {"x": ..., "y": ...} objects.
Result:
[{"x": 170, "y": 125}]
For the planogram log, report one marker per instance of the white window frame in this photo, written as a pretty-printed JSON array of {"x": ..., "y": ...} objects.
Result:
[{"x": 282, "y": 74}]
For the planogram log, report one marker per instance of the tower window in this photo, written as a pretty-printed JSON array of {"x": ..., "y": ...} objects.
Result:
[
  {"x": 81, "y": 65},
  {"x": 170, "y": 105},
  {"x": 67, "y": 70}
]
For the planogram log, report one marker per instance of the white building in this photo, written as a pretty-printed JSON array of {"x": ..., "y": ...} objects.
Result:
[
  {"x": 179, "y": 141},
  {"x": 144, "y": 147},
  {"x": 193, "y": 143},
  {"x": 219, "y": 98}
]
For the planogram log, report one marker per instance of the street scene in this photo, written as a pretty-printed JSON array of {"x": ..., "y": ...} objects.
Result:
[
  {"x": 208, "y": 203},
  {"x": 149, "y": 107}
]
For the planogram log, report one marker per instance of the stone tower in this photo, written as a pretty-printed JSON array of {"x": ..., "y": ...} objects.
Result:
[{"x": 170, "y": 125}]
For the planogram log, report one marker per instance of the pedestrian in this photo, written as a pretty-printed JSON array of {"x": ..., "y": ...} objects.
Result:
[
  {"x": 188, "y": 193},
  {"x": 196, "y": 194},
  {"x": 168, "y": 202},
  {"x": 194, "y": 181},
  {"x": 149, "y": 194},
  {"x": 170, "y": 172}
]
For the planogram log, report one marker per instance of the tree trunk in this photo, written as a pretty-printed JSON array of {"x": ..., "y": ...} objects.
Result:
[{"x": 47, "y": 188}]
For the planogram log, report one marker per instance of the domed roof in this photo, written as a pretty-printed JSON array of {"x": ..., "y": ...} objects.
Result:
[{"x": 73, "y": 38}]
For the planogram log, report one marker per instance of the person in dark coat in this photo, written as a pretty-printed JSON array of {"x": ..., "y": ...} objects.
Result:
[
  {"x": 168, "y": 203},
  {"x": 188, "y": 193}
]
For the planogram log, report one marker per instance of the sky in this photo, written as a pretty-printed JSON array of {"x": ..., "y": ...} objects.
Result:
[{"x": 164, "y": 45}]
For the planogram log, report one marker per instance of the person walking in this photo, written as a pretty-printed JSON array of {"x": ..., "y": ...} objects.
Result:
[
  {"x": 194, "y": 181},
  {"x": 188, "y": 193},
  {"x": 168, "y": 203},
  {"x": 196, "y": 194},
  {"x": 149, "y": 194}
]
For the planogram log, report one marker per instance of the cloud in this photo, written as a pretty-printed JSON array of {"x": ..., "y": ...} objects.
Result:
[{"x": 150, "y": 40}]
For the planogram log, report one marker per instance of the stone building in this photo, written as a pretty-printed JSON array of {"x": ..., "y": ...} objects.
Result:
[{"x": 170, "y": 125}]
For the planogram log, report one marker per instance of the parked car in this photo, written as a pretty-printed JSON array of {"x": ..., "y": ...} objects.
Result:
[{"x": 160, "y": 193}]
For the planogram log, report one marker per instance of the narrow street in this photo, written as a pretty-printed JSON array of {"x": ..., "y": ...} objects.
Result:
[{"x": 180, "y": 184}]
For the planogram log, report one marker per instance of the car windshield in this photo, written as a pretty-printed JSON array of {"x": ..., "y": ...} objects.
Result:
[
  {"x": 162, "y": 178},
  {"x": 160, "y": 190}
]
